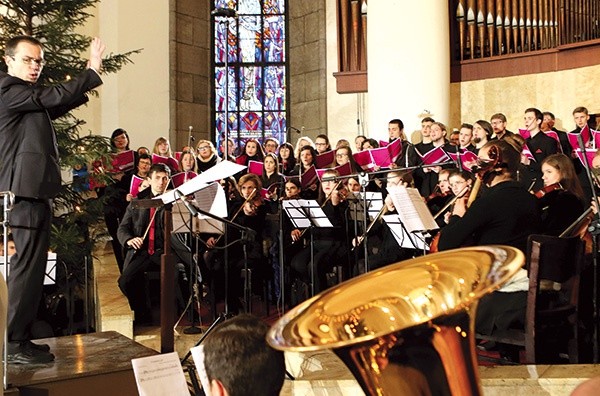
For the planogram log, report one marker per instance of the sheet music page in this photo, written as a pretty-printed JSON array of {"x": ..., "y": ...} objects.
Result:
[
  {"x": 159, "y": 375},
  {"x": 412, "y": 209},
  {"x": 212, "y": 200},
  {"x": 220, "y": 171},
  {"x": 198, "y": 356}
]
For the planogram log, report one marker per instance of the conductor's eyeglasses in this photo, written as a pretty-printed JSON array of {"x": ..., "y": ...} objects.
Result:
[{"x": 28, "y": 61}]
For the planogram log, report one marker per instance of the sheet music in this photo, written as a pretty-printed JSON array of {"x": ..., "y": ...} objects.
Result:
[
  {"x": 405, "y": 240},
  {"x": 159, "y": 375},
  {"x": 212, "y": 200},
  {"x": 220, "y": 171},
  {"x": 412, "y": 209}
]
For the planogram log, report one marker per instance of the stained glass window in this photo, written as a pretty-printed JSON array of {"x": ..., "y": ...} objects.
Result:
[{"x": 256, "y": 96}]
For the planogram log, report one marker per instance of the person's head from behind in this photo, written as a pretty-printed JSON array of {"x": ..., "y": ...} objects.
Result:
[
  {"x": 505, "y": 157},
  {"x": 159, "y": 176},
  {"x": 24, "y": 58},
  {"x": 238, "y": 360}
]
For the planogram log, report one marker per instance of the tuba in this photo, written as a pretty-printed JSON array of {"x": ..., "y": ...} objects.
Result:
[{"x": 407, "y": 328}]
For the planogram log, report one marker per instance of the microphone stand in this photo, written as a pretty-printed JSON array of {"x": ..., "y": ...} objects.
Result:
[{"x": 596, "y": 219}]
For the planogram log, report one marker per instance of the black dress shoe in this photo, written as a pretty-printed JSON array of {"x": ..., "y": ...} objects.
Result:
[
  {"x": 26, "y": 354},
  {"x": 39, "y": 347}
]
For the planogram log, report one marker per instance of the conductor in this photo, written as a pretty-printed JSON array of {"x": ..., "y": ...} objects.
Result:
[{"x": 29, "y": 168}]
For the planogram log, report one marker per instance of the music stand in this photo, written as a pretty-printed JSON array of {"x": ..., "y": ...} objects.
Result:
[
  {"x": 405, "y": 239},
  {"x": 307, "y": 214}
]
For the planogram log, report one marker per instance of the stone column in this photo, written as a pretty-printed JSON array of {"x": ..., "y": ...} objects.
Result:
[{"x": 409, "y": 63}]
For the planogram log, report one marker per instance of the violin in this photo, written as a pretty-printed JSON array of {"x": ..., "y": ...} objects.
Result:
[{"x": 548, "y": 189}]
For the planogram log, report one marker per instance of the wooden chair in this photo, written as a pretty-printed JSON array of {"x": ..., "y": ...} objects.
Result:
[{"x": 554, "y": 265}]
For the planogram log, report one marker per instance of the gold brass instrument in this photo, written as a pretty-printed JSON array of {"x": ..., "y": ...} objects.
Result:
[{"x": 407, "y": 328}]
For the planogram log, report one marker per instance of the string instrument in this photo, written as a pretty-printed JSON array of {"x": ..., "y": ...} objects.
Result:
[
  {"x": 580, "y": 228},
  {"x": 466, "y": 192},
  {"x": 548, "y": 189},
  {"x": 485, "y": 171},
  {"x": 250, "y": 198},
  {"x": 361, "y": 238}
]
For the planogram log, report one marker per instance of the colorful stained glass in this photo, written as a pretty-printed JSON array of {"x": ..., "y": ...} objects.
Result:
[
  {"x": 257, "y": 92},
  {"x": 273, "y": 6},
  {"x": 274, "y": 39}
]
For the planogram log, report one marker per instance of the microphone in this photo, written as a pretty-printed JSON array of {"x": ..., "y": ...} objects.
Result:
[
  {"x": 458, "y": 159},
  {"x": 224, "y": 12},
  {"x": 581, "y": 145},
  {"x": 188, "y": 205},
  {"x": 298, "y": 131},
  {"x": 192, "y": 138}
]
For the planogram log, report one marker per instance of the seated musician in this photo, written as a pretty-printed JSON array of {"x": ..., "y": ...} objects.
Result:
[
  {"x": 562, "y": 197},
  {"x": 460, "y": 184},
  {"x": 248, "y": 211},
  {"x": 388, "y": 251},
  {"x": 141, "y": 234},
  {"x": 328, "y": 242},
  {"x": 506, "y": 214}
]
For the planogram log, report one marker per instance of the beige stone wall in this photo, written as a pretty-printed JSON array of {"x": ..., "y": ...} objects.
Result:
[
  {"x": 190, "y": 83},
  {"x": 558, "y": 92},
  {"x": 307, "y": 81},
  {"x": 135, "y": 98}
]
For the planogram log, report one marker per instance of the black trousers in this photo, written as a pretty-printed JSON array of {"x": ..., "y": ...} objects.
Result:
[
  {"x": 132, "y": 282},
  {"x": 30, "y": 224}
]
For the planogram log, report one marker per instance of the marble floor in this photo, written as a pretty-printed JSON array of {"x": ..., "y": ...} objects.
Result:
[{"x": 322, "y": 373}]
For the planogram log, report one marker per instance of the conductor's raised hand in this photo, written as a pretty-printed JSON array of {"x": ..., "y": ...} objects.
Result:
[{"x": 97, "y": 48}]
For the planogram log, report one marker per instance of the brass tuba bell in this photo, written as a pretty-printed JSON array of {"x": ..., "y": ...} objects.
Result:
[{"x": 408, "y": 328}]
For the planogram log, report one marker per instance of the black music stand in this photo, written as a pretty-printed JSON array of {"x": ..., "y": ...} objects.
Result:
[{"x": 307, "y": 214}]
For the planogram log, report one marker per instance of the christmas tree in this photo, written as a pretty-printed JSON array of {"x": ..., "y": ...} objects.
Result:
[{"x": 54, "y": 23}]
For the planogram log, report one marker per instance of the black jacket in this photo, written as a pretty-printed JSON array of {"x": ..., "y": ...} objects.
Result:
[{"x": 28, "y": 150}]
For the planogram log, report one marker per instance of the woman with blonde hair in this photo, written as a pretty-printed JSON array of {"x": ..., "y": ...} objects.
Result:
[{"x": 206, "y": 156}]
